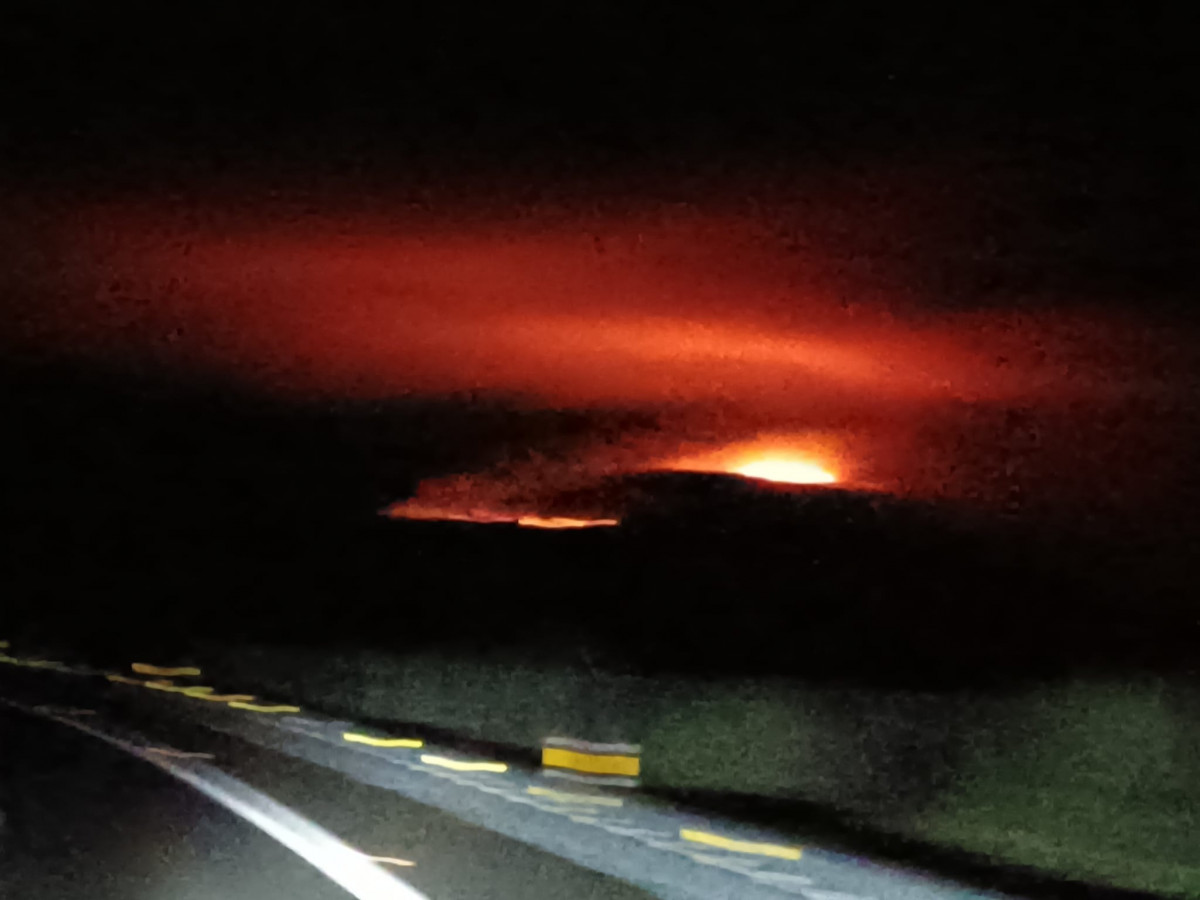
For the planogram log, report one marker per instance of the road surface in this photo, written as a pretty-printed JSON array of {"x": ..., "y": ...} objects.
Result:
[
  {"x": 445, "y": 824},
  {"x": 85, "y": 820}
]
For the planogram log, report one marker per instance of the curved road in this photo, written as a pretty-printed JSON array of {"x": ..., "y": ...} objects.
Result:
[
  {"x": 448, "y": 826},
  {"x": 85, "y": 820}
]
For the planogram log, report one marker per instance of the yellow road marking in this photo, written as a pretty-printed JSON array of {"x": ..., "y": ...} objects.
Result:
[
  {"x": 593, "y": 763},
  {"x": 238, "y": 704},
  {"x": 201, "y": 691},
  {"x": 197, "y": 691},
  {"x": 355, "y": 738},
  {"x": 164, "y": 672},
  {"x": 224, "y": 698},
  {"x": 458, "y": 766},
  {"x": 715, "y": 840},
  {"x": 391, "y": 860},
  {"x": 163, "y": 686},
  {"x": 565, "y": 797},
  {"x": 33, "y": 663}
]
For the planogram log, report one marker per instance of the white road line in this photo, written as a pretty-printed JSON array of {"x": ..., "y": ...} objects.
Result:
[
  {"x": 589, "y": 747},
  {"x": 340, "y": 862},
  {"x": 781, "y": 878},
  {"x": 669, "y": 841}
]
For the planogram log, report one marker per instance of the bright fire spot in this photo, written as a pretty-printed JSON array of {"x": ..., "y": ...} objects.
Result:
[
  {"x": 563, "y": 522},
  {"x": 803, "y": 458},
  {"x": 588, "y": 492},
  {"x": 790, "y": 471}
]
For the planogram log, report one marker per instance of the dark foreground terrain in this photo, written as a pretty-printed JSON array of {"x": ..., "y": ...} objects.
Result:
[{"x": 146, "y": 513}]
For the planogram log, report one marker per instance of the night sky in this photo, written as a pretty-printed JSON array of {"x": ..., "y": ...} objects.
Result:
[
  {"x": 1041, "y": 151},
  {"x": 1091, "y": 108}
]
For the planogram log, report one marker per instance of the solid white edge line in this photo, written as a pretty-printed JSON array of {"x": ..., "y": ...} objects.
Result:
[{"x": 341, "y": 863}]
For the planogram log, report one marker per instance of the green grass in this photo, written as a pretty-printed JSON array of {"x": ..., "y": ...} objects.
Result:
[
  {"x": 1093, "y": 780},
  {"x": 1087, "y": 780}
]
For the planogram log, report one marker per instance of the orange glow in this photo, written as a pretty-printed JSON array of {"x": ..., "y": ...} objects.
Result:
[
  {"x": 570, "y": 493},
  {"x": 708, "y": 322},
  {"x": 701, "y": 311},
  {"x": 476, "y": 516},
  {"x": 789, "y": 471},
  {"x": 563, "y": 522},
  {"x": 804, "y": 458},
  {"x": 433, "y": 513}
]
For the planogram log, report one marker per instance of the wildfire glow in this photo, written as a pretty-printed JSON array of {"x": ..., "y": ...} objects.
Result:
[
  {"x": 567, "y": 494},
  {"x": 706, "y": 322},
  {"x": 563, "y": 522},
  {"x": 790, "y": 471},
  {"x": 478, "y": 515},
  {"x": 797, "y": 458}
]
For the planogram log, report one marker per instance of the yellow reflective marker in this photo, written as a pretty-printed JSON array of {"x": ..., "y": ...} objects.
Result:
[
  {"x": 391, "y": 861},
  {"x": 592, "y": 763},
  {"x": 196, "y": 691},
  {"x": 777, "y": 851},
  {"x": 239, "y": 704},
  {"x": 565, "y": 797},
  {"x": 167, "y": 672},
  {"x": 458, "y": 766},
  {"x": 4, "y": 645},
  {"x": 355, "y": 738}
]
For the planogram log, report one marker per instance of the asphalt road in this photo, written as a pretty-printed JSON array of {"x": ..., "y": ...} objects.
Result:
[
  {"x": 85, "y": 820},
  {"x": 451, "y": 826}
]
